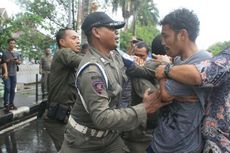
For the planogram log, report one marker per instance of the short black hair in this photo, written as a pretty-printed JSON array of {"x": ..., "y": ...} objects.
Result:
[
  {"x": 85, "y": 46},
  {"x": 60, "y": 35},
  {"x": 142, "y": 44},
  {"x": 157, "y": 47},
  {"x": 183, "y": 19},
  {"x": 10, "y": 39},
  {"x": 46, "y": 48},
  {"x": 134, "y": 41}
]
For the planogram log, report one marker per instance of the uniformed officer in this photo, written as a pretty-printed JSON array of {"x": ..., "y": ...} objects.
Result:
[
  {"x": 95, "y": 119},
  {"x": 44, "y": 69},
  {"x": 62, "y": 91}
]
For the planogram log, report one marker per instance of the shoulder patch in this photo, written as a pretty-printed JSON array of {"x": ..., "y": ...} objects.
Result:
[{"x": 98, "y": 84}]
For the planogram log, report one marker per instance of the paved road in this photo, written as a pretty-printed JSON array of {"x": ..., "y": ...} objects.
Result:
[
  {"x": 29, "y": 138},
  {"x": 26, "y": 138},
  {"x": 23, "y": 97}
]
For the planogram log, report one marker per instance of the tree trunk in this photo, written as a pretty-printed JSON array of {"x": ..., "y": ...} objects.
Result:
[
  {"x": 134, "y": 23},
  {"x": 85, "y": 12},
  {"x": 78, "y": 14}
]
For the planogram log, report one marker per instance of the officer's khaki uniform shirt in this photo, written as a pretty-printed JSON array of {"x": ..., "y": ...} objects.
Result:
[
  {"x": 101, "y": 101},
  {"x": 45, "y": 63},
  {"x": 62, "y": 77}
]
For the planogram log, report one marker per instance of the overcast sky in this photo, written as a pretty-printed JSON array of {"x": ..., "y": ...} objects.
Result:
[
  {"x": 214, "y": 17},
  {"x": 10, "y": 6}
]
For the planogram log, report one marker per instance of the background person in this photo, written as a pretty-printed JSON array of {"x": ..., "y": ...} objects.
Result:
[
  {"x": 3, "y": 67},
  {"x": 12, "y": 60},
  {"x": 141, "y": 50},
  {"x": 132, "y": 45},
  {"x": 44, "y": 69},
  {"x": 84, "y": 48},
  {"x": 156, "y": 47},
  {"x": 3, "y": 73},
  {"x": 137, "y": 140}
]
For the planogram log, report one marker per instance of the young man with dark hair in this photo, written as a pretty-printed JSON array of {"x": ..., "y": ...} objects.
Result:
[
  {"x": 215, "y": 74},
  {"x": 95, "y": 118},
  {"x": 12, "y": 60},
  {"x": 84, "y": 48},
  {"x": 62, "y": 91},
  {"x": 179, "y": 128},
  {"x": 157, "y": 48}
]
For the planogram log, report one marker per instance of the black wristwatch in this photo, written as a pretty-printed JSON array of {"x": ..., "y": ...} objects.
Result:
[{"x": 167, "y": 69}]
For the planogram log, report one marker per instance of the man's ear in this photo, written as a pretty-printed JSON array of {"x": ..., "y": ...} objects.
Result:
[
  {"x": 62, "y": 42},
  {"x": 183, "y": 34},
  {"x": 96, "y": 32}
]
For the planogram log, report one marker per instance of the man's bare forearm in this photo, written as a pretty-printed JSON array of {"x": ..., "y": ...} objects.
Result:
[{"x": 187, "y": 74}]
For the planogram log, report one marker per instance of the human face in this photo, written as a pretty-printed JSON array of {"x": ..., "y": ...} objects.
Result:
[
  {"x": 141, "y": 52},
  {"x": 47, "y": 51},
  {"x": 108, "y": 37},
  {"x": 11, "y": 45},
  {"x": 70, "y": 40},
  {"x": 171, "y": 41}
]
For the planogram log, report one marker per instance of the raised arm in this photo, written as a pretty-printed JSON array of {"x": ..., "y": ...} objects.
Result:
[
  {"x": 187, "y": 74},
  {"x": 207, "y": 73}
]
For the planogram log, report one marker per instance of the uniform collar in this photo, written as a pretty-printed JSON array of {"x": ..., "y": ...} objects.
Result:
[{"x": 102, "y": 58}]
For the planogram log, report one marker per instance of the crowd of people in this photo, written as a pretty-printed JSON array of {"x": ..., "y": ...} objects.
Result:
[{"x": 172, "y": 98}]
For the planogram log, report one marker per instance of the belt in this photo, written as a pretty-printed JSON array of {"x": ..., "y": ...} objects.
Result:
[{"x": 85, "y": 130}]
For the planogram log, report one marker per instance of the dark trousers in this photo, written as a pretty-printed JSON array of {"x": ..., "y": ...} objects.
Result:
[
  {"x": 55, "y": 130},
  {"x": 149, "y": 150},
  {"x": 9, "y": 90},
  {"x": 45, "y": 81}
]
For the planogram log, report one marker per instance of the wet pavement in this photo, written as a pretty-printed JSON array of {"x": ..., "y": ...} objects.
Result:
[
  {"x": 29, "y": 138},
  {"x": 25, "y": 96}
]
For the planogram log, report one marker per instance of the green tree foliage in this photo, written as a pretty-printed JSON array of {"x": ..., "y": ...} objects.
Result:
[
  {"x": 23, "y": 27},
  {"x": 35, "y": 27},
  {"x": 54, "y": 13},
  {"x": 50, "y": 15},
  {"x": 143, "y": 11},
  {"x": 146, "y": 33},
  {"x": 219, "y": 46},
  {"x": 147, "y": 13},
  {"x": 145, "y": 17},
  {"x": 125, "y": 37}
]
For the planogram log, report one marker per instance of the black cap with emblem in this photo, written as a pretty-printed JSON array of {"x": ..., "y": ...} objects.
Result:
[{"x": 100, "y": 19}]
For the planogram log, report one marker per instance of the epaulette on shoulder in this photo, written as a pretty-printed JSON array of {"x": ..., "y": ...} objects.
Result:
[{"x": 98, "y": 66}]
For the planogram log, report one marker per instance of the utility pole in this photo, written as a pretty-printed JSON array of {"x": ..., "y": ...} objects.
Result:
[
  {"x": 79, "y": 12},
  {"x": 73, "y": 14},
  {"x": 70, "y": 14},
  {"x": 85, "y": 12}
]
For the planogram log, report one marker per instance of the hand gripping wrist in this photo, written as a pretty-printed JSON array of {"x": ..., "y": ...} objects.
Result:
[{"x": 167, "y": 70}]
